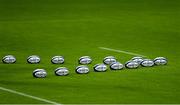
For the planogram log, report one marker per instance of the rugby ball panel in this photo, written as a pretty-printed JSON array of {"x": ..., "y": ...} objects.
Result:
[
  {"x": 33, "y": 59},
  {"x": 109, "y": 61},
  {"x": 82, "y": 70},
  {"x": 61, "y": 71},
  {"x": 85, "y": 60},
  {"x": 137, "y": 59},
  {"x": 9, "y": 59},
  {"x": 100, "y": 68},
  {"x": 57, "y": 60},
  {"x": 39, "y": 73},
  {"x": 160, "y": 61},
  {"x": 147, "y": 63},
  {"x": 131, "y": 65},
  {"x": 116, "y": 66}
]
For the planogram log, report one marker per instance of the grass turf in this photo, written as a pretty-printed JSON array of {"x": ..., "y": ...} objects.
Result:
[{"x": 75, "y": 28}]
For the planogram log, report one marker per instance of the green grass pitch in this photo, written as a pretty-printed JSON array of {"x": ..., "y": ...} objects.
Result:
[{"x": 73, "y": 28}]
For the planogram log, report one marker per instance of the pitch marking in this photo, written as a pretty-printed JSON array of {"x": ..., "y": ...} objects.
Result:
[
  {"x": 29, "y": 96},
  {"x": 121, "y": 51}
]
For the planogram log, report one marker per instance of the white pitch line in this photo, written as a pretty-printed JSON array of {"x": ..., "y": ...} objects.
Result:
[
  {"x": 29, "y": 96},
  {"x": 121, "y": 51}
]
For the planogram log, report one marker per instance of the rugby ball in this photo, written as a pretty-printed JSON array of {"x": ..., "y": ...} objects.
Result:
[
  {"x": 100, "y": 67},
  {"x": 137, "y": 59},
  {"x": 116, "y": 66},
  {"x": 131, "y": 65},
  {"x": 33, "y": 59},
  {"x": 61, "y": 71},
  {"x": 85, "y": 60},
  {"x": 82, "y": 69},
  {"x": 109, "y": 60},
  {"x": 9, "y": 59},
  {"x": 147, "y": 63},
  {"x": 160, "y": 61},
  {"x": 39, "y": 73},
  {"x": 57, "y": 60}
]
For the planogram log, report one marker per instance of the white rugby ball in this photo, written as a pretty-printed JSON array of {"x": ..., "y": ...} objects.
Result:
[
  {"x": 116, "y": 66},
  {"x": 109, "y": 60},
  {"x": 57, "y": 60},
  {"x": 33, "y": 59},
  {"x": 160, "y": 61},
  {"x": 39, "y": 73},
  {"x": 100, "y": 67},
  {"x": 61, "y": 71},
  {"x": 9, "y": 59},
  {"x": 131, "y": 64},
  {"x": 147, "y": 63},
  {"x": 137, "y": 59},
  {"x": 82, "y": 69},
  {"x": 85, "y": 60}
]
